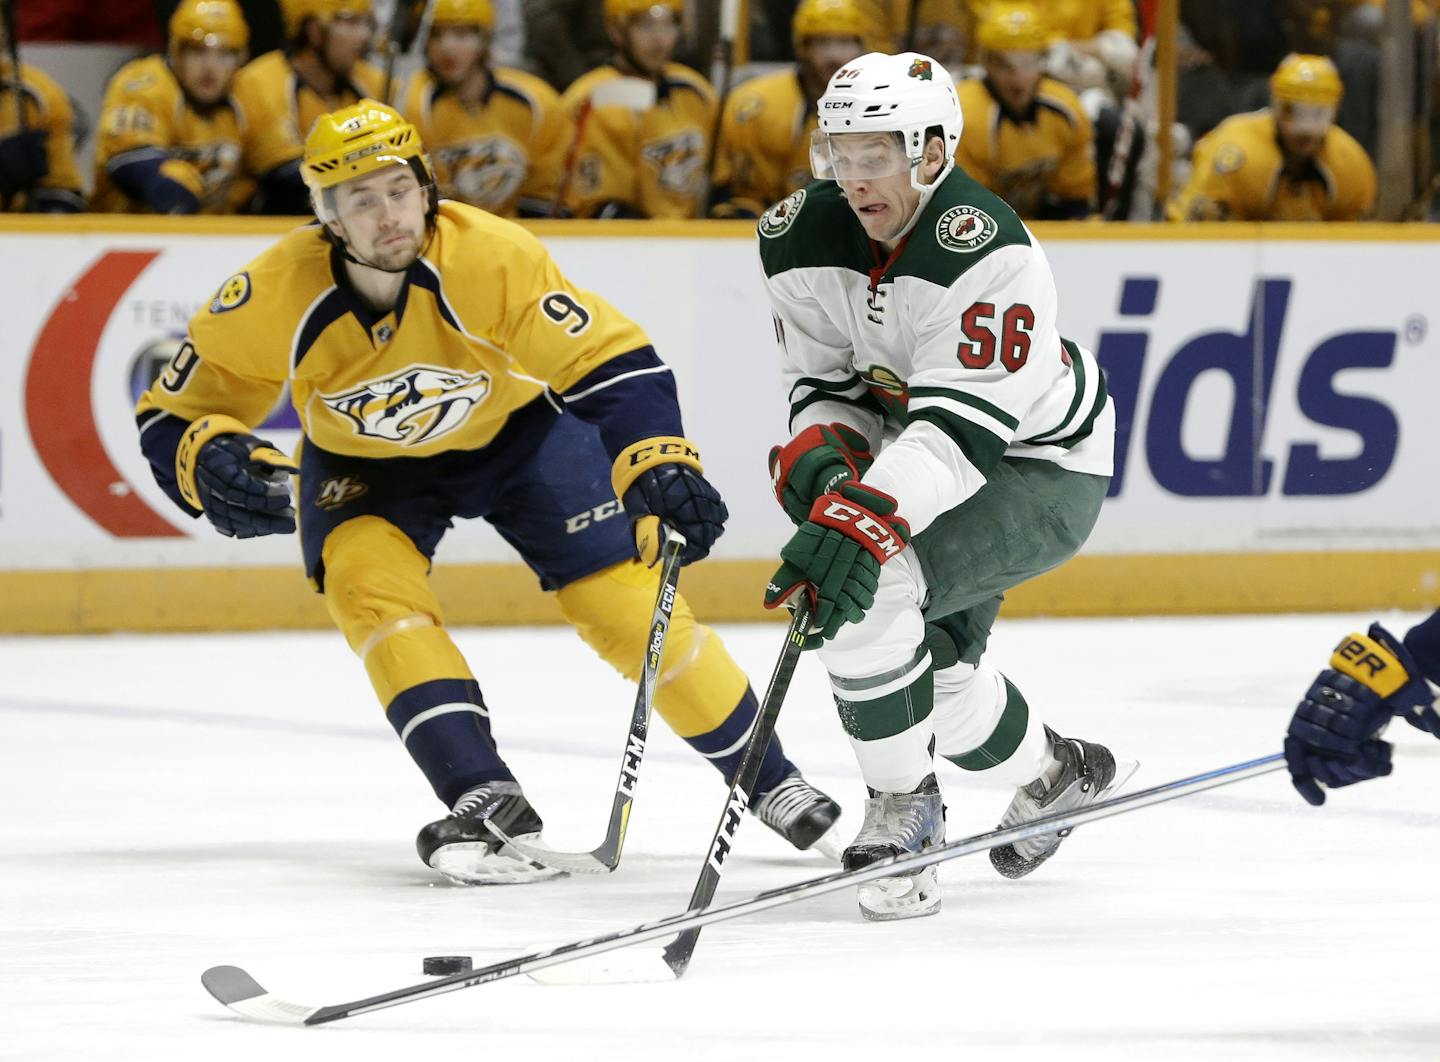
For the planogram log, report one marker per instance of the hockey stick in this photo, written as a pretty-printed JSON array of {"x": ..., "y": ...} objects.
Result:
[
  {"x": 678, "y": 952},
  {"x": 606, "y": 857},
  {"x": 240, "y": 992}
]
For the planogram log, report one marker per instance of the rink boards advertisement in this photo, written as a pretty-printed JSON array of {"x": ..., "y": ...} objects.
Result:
[{"x": 1275, "y": 388}]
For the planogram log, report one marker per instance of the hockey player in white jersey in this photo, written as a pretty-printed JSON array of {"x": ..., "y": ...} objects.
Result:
[{"x": 947, "y": 445}]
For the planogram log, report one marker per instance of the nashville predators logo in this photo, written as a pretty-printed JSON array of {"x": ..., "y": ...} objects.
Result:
[
  {"x": 679, "y": 160},
  {"x": 484, "y": 173},
  {"x": 336, "y": 492},
  {"x": 921, "y": 69},
  {"x": 234, "y": 292},
  {"x": 413, "y": 406}
]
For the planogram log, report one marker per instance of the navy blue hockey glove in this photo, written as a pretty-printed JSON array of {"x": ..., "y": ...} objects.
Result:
[
  {"x": 240, "y": 482},
  {"x": 835, "y": 557},
  {"x": 23, "y": 161},
  {"x": 1334, "y": 735},
  {"x": 660, "y": 480},
  {"x": 815, "y": 462}
]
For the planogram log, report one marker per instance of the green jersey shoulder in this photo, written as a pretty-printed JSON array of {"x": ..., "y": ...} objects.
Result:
[{"x": 961, "y": 225}]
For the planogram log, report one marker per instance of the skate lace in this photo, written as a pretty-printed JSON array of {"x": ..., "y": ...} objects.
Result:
[
  {"x": 475, "y": 798},
  {"x": 786, "y": 802},
  {"x": 894, "y": 818}
]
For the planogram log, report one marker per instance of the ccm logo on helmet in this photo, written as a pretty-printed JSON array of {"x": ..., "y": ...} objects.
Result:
[{"x": 838, "y": 105}]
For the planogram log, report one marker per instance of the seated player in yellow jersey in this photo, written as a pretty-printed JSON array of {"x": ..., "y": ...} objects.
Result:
[
  {"x": 282, "y": 93},
  {"x": 642, "y": 123},
  {"x": 1093, "y": 43},
  {"x": 1289, "y": 162},
  {"x": 171, "y": 140},
  {"x": 764, "y": 151},
  {"x": 37, "y": 147},
  {"x": 498, "y": 136},
  {"x": 442, "y": 367},
  {"x": 1026, "y": 137}
]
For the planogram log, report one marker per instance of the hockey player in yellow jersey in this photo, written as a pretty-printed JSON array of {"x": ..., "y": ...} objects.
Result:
[
  {"x": 764, "y": 152},
  {"x": 1289, "y": 162},
  {"x": 171, "y": 140},
  {"x": 281, "y": 93},
  {"x": 37, "y": 150},
  {"x": 443, "y": 367},
  {"x": 498, "y": 136},
  {"x": 1026, "y": 137},
  {"x": 643, "y": 123},
  {"x": 1092, "y": 43}
]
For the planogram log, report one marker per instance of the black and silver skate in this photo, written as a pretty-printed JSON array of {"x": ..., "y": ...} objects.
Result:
[
  {"x": 1087, "y": 773},
  {"x": 801, "y": 814},
  {"x": 896, "y": 823},
  {"x": 463, "y": 849}
]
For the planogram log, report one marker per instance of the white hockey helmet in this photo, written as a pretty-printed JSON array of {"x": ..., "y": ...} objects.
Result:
[{"x": 908, "y": 94}]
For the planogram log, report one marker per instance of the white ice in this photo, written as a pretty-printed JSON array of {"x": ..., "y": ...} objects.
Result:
[{"x": 169, "y": 803}]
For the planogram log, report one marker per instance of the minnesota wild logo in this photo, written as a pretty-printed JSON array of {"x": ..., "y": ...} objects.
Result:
[
  {"x": 921, "y": 69},
  {"x": 782, "y": 215},
  {"x": 964, "y": 229}
]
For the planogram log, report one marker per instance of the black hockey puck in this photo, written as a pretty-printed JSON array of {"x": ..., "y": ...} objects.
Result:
[{"x": 444, "y": 965}]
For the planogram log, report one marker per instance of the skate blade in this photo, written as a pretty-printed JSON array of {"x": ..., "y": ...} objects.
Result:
[
  {"x": 906, "y": 896},
  {"x": 626, "y": 966},
  {"x": 829, "y": 845},
  {"x": 477, "y": 863}
]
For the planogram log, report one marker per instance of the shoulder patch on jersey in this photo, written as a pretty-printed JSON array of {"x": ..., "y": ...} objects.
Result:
[
  {"x": 1229, "y": 158},
  {"x": 782, "y": 215},
  {"x": 965, "y": 229},
  {"x": 233, "y": 293}
]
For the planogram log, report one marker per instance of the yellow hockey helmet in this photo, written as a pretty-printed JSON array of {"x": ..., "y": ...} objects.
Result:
[
  {"x": 833, "y": 18},
  {"x": 464, "y": 13},
  {"x": 625, "y": 10},
  {"x": 356, "y": 140},
  {"x": 295, "y": 12},
  {"x": 1013, "y": 27},
  {"x": 210, "y": 23},
  {"x": 1309, "y": 79}
]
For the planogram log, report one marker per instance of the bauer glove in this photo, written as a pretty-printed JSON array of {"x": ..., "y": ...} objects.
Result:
[
  {"x": 835, "y": 556},
  {"x": 240, "y": 482},
  {"x": 1334, "y": 735},
  {"x": 660, "y": 480},
  {"x": 815, "y": 462}
]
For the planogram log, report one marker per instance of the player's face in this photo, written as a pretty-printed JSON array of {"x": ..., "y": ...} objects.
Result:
[
  {"x": 1302, "y": 127},
  {"x": 381, "y": 217},
  {"x": 823, "y": 56},
  {"x": 649, "y": 39},
  {"x": 205, "y": 73},
  {"x": 1016, "y": 76},
  {"x": 882, "y": 203},
  {"x": 347, "y": 39},
  {"x": 454, "y": 51}
]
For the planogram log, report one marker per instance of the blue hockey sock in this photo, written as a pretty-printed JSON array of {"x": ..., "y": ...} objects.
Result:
[
  {"x": 725, "y": 747},
  {"x": 446, "y": 728}
]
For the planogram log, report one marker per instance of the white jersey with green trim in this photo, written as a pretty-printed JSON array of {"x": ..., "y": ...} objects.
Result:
[{"x": 947, "y": 352}]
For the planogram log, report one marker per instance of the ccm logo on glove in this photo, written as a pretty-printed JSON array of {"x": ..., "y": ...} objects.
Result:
[{"x": 830, "y": 511}]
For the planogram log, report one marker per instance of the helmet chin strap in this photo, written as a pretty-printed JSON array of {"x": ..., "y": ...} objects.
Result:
[
  {"x": 344, "y": 246},
  {"x": 926, "y": 191}
]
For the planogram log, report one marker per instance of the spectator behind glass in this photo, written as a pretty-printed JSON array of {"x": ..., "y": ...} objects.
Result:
[
  {"x": 171, "y": 140},
  {"x": 37, "y": 150},
  {"x": 1025, "y": 137},
  {"x": 764, "y": 151},
  {"x": 497, "y": 136},
  {"x": 1289, "y": 162}
]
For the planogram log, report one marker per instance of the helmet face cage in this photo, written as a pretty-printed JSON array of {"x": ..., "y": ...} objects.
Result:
[{"x": 909, "y": 94}]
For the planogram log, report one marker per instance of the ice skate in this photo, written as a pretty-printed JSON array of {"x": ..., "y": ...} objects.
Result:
[
  {"x": 1087, "y": 773},
  {"x": 801, "y": 814},
  {"x": 896, "y": 823},
  {"x": 463, "y": 849}
]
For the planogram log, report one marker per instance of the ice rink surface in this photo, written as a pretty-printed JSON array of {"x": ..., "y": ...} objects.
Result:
[{"x": 168, "y": 803}]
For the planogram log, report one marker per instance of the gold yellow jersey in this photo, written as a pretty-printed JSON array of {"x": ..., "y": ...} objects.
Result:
[
  {"x": 1238, "y": 175},
  {"x": 484, "y": 324},
  {"x": 280, "y": 109},
  {"x": 1079, "y": 20},
  {"x": 653, "y": 162},
  {"x": 145, "y": 113},
  {"x": 47, "y": 109},
  {"x": 1042, "y": 162},
  {"x": 503, "y": 154},
  {"x": 764, "y": 152}
]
